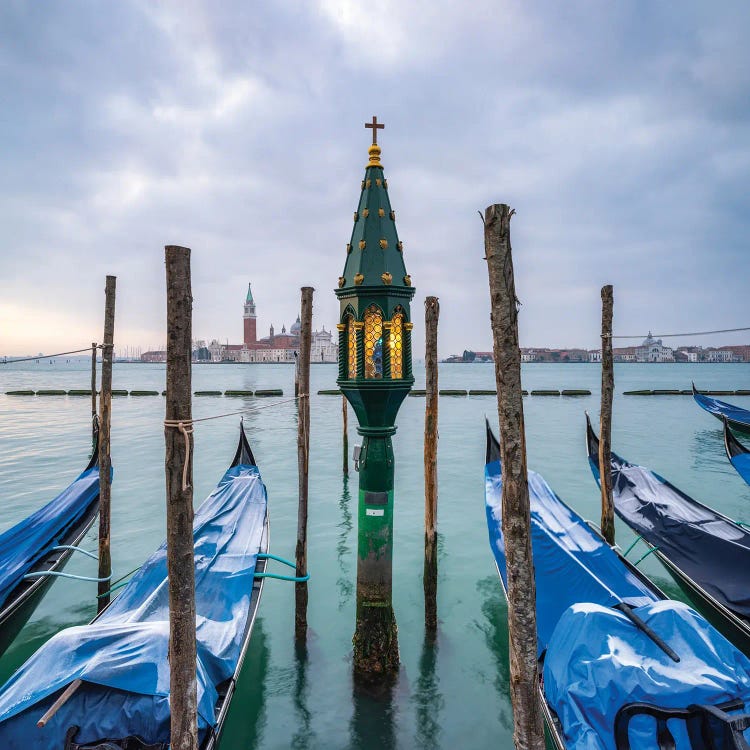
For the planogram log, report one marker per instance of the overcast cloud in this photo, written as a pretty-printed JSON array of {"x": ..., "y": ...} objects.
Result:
[{"x": 620, "y": 132}]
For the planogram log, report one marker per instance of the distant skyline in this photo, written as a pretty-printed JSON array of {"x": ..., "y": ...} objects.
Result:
[{"x": 620, "y": 133}]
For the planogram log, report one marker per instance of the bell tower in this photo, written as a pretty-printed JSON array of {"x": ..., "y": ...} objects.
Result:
[{"x": 250, "y": 320}]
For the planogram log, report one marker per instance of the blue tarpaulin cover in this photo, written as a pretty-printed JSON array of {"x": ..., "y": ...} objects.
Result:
[
  {"x": 30, "y": 540},
  {"x": 587, "y": 644},
  {"x": 709, "y": 548},
  {"x": 571, "y": 562},
  {"x": 742, "y": 464},
  {"x": 597, "y": 662},
  {"x": 122, "y": 656},
  {"x": 718, "y": 408}
]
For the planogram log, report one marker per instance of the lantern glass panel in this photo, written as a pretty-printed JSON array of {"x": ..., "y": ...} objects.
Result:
[
  {"x": 397, "y": 344},
  {"x": 352, "y": 347},
  {"x": 373, "y": 343}
]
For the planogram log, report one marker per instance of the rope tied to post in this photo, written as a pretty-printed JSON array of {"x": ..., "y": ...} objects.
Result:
[{"x": 185, "y": 426}]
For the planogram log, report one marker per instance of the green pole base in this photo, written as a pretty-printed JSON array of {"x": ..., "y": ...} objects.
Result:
[{"x": 375, "y": 640}]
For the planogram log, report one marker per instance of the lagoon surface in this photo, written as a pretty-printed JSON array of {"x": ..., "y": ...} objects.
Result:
[{"x": 452, "y": 694}]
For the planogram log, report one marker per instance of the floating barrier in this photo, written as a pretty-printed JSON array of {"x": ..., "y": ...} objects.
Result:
[
  {"x": 482, "y": 393},
  {"x": 576, "y": 392},
  {"x": 238, "y": 393},
  {"x": 545, "y": 392},
  {"x": 208, "y": 393},
  {"x": 143, "y": 393},
  {"x": 454, "y": 392},
  {"x": 19, "y": 393},
  {"x": 52, "y": 392},
  {"x": 417, "y": 392},
  {"x": 80, "y": 392},
  {"x": 270, "y": 392},
  {"x": 119, "y": 393},
  {"x": 676, "y": 392},
  {"x": 329, "y": 392}
]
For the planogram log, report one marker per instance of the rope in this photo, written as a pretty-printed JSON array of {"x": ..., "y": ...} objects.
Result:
[
  {"x": 77, "y": 549},
  {"x": 677, "y": 335},
  {"x": 185, "y": 426},
  {"x": 7, "y": 361},
  {"x": 43, "y": 573},
  {"x": 119, "y": 583}
]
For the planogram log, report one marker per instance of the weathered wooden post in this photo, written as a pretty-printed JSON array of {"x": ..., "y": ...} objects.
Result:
[
  {"x": 105, "y": 462},
  {"x": 528, "y": 732},
  {"x": 431, "y": 314},
  {"x": 178, "y": 464},
  {"x": 93, "y": 380},
  {"x": 303, "y": 459},
  {"x": 345, "y": 419},
  {"x": 605, "y": 423}
]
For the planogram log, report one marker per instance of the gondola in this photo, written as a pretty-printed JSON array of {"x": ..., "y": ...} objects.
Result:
[
  {"x": 37, "y": 548},
  {"x": 738, "y": 418},
  {"x": 620, "y": 665},
  {"x": 707, "y": 553},
  {"x": 738, "y": 454},
  {"x": 105, "y": 686}
]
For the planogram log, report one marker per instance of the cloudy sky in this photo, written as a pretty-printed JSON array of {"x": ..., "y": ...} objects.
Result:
[{"x": 620, "y": 133}]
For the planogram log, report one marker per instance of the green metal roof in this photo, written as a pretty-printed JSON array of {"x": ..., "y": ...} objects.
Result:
[
  {"x": 249, "y": 298},
  {"x": 374, "y": 248}
]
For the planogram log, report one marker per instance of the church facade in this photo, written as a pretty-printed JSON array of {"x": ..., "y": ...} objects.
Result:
[{"x": 276, "y": 347}]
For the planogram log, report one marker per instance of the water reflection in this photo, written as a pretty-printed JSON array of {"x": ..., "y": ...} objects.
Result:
[
  {"x": 304, "y": 736},
  {"x": 428, "y": 698},
  {"x": 344, "y": 581},
  {"x": 246, "y": 720},
  {"x": 708, "y": 451},
  {"x": 373, "y": 725},
  {"x": 495, "y": 629}
]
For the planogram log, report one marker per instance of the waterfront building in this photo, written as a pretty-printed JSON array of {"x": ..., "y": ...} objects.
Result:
[
  {"x": 719, "y": 355},
  {"x": 595, "y": 355},
  {"x": 652, "y": 350},
  {"x": 276, "y": 347}
]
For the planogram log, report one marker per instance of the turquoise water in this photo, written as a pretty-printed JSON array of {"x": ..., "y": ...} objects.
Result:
[{"x": 452, "y": 694}]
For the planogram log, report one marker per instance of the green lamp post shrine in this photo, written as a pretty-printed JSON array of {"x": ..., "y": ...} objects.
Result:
[{"x": 375, "y": 375}]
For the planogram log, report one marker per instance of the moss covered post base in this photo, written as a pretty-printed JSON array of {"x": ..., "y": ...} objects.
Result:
[
  {"x": 376, "y": 634},
  {"x": 375, "y": 639}
]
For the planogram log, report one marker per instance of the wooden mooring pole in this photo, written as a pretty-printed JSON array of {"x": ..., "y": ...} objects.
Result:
[
  {"x": 93, "y": 380},
  {"x": 431, "y": 315},
  {"x": 528, "y": 730},
  {"x": 178, "y": 464},
  {"x": 105, "y": 462},
  {"x": 345, "y": 419},
  {"x": 605, "y": 418},
  {"x": 303, "y": 459}
]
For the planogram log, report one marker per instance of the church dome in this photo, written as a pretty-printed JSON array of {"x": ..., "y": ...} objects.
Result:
[{"x": 294, "y": 330}]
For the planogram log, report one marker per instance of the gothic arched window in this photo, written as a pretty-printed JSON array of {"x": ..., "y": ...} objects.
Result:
[
  {"x": 373, "y": 343},
  {"x": 351, "y": 334},
  {"x": 397, "y": 344}
]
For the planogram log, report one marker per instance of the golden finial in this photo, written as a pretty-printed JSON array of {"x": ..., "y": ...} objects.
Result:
[
  {"x": 381, "y": 213},
  {"x": 374, "y": 150},
  {"x": 384, "y": 244},
  {"x": 378, "y": 181},
  {"x": 358, "y": 279},
  {"x": 362, "y": 244},
  {"x": 366, "y": 213},
  {"x": 407, "y": 280},
  {"x": 387, "y": 277},
  {"x": 342, "y": 281}
]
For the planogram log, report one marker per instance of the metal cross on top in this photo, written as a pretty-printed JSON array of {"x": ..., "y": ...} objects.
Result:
[{"x": 375, "y": 125}]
